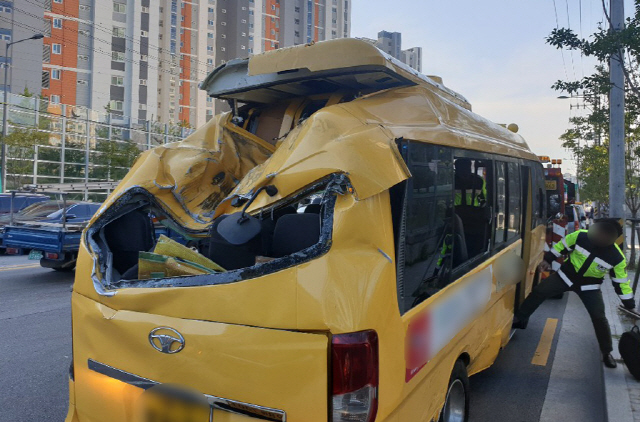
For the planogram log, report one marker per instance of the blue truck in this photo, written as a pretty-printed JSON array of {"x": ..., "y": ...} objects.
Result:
[{"x": 54, "y": 240}]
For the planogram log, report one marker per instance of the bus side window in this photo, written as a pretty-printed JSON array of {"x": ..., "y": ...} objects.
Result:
[
  {"x": 428, "y": 248},
  {"x": 472, "y": 203},
  {"x": 514, "y": 207},
  {"x": 501, "y": 201}
]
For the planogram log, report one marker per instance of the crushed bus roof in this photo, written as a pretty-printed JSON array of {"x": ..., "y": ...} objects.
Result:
[{"x": 330, "y": 66}]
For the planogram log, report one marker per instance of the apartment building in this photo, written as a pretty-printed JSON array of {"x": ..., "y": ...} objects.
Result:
[
  {"x": 21, "y": 19},
  {"x": 391, "y": 43},
  {"x": 143, "y": 59},
  {"x": 246, "y": 27}
]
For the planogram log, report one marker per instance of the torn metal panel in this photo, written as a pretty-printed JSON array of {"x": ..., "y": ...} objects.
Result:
[{"x": 191, "y": 177}]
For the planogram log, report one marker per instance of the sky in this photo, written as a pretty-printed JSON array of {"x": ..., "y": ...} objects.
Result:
[{"x": 493, "y": 52}]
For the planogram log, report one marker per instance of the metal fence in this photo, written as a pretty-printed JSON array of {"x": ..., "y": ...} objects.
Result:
[{"x": 57, "y": 143}]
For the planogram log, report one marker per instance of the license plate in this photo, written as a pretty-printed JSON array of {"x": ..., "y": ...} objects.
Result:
[{"x": 35, "y": 254}]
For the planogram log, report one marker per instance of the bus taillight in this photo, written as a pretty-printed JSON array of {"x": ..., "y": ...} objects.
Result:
[{"x": 354, "y": 361}]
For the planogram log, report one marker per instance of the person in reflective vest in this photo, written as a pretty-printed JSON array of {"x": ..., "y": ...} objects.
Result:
[
  {"x": 471, "y": 188},
  {"x": 591, "y": 254}
]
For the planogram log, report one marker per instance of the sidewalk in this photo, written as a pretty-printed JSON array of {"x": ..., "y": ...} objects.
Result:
[{"x": 622, "y": 391}]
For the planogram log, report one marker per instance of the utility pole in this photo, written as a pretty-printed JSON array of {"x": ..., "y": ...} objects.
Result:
[
  {"x": 616, "y": 118},
  {"x": 5, "y": 111}
]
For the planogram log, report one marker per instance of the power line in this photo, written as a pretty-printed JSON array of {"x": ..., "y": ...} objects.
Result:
[
  {"x": 566, "y": 2},
  {"x": 93, "y": 48},
  {"x": 564, "y": 63},
  {"x": 108, "y": 42},
  {"x": 108, "y": 31}
]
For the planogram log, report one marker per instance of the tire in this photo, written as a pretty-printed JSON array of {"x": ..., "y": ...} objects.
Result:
[
  {"x": 456, "y": 404},
  {"x": 64, "y": 269}
]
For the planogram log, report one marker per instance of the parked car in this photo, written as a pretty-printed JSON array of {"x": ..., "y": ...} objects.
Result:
[
  {"x": 53, "y": 240},
  {"x": 20, "y": 201}
]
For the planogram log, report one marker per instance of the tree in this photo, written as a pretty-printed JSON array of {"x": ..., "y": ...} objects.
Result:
[
  {"x": 587, "y": 136},
  {"x": 21, "y": 146}
]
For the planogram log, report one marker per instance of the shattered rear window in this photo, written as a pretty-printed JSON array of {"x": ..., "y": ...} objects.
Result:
[{"x": 137, "y": 244}]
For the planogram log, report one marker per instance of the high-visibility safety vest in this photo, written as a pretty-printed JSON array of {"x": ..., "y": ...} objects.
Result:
[
  {"x": 588, "y": 264},
  {"x": 469, "y": 197}
]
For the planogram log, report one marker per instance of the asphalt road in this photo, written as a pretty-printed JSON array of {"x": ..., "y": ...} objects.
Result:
[
  {"x": 35, "y": 341},
  {"x": 35, "y": 347}
]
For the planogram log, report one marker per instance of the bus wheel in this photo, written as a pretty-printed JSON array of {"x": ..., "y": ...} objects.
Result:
[{"x": 456, "y": 404}]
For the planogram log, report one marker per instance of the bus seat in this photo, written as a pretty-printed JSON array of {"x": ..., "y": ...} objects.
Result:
[
  {"x": 295, "y": 232},
  {"x": 460, "y": 251},
  {"x": 228, "y": 256},
  {"x": 128, "y": 235},
  {"x": 476, "y": 223}
]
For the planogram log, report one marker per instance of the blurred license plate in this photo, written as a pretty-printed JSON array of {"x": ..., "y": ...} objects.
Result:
[{"x": 35, "y": 254}]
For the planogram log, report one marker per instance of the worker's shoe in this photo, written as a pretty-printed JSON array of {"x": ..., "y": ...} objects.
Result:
[
  {"x": 609, "y": 361},
  {"x": 519, "y": 323}
]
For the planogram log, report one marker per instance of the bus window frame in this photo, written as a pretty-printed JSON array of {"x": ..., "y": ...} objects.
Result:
[{"x": 473, "y": 262}]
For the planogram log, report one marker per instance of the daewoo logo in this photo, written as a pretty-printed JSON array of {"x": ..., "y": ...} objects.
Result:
[{"x": 166, "y": 340}]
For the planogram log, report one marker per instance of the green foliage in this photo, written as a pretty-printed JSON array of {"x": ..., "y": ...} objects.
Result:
[
  {"x": 586, "y": 137},
  {"x": 21, "y": 147}
]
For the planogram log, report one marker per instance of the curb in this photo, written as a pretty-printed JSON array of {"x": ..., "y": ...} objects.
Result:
[{"x": 616, "y": 388}]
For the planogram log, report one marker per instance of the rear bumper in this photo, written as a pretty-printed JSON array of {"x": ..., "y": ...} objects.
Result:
[{"x": 218, "y": 403}]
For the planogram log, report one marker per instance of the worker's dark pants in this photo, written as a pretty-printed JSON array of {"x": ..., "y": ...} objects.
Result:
[{"x": 592, "y": 299}]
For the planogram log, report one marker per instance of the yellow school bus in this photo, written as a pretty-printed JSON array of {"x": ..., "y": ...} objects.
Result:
[{"x": 351, "y": 241}]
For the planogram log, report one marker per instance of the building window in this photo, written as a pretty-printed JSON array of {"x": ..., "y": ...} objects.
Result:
[
  {"x": 84, "y": 7},
  {"x": 242, "y": 47},
  {"x": 57, "y": 1},
  {"x": 211, "y": 10},
  {"x": 117, "y": 80},
  {"x": 209, "y": 48},
  {"x": 119, "y": 32},
  {"x": 210, "y": 61},
  {"x": 143, "y": 82},
  {"x": 7, "y": 37},
  {"x": 83, "y": 57},
  {"x": 57, "y": 23},
  {"x": 55, "y": 99},
  {"x": 115, "y": 105},
  {"x": 211, "y": 23},
  {"x": 210, "y": 35},
  {"x": 55, "y": 74},
  {"x": 223, "y": 23},
  {"x": 81, "y": 82},
  {"x": 223, "y": 36},
  {"x": 7, "y": 9},
  {"x": 224, "y": 10},
  {"x": 244, "y": 21},
  {"x": 145, "y": 9},
  {"x": 56, "y": 48},
  {"x": 117, "y": 56},
  {"x": 144, "y": 33},
  {"x": 223, "y": 49},
  {"x": 45, "y": 80},
  {"x": 119, "y": 7}
]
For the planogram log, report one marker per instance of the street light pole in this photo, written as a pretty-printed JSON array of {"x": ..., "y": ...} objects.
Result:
[
  {"x": 5, "y": 110},
  {"x": 616, "y": 119}
]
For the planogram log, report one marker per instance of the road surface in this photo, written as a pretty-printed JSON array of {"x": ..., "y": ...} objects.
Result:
[{"x": 36, "y": 351}]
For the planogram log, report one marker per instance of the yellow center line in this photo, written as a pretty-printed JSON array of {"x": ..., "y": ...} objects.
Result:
[
  {"x": 544, "y": 346},
  {"x": 19, "y": 267}
]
